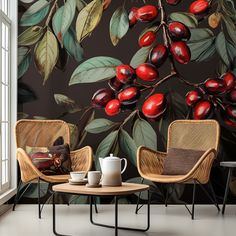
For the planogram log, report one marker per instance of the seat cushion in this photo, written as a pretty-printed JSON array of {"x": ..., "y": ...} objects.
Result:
[{"x": 180, "y": 161}]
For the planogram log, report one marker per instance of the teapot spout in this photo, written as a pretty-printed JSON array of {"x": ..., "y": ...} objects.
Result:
[{"x": 100, "y": 161}]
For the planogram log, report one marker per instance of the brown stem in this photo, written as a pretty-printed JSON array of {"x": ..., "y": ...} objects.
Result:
[
  {"x": 51, "y": 13},
  {"x": 127, "y": 118}
]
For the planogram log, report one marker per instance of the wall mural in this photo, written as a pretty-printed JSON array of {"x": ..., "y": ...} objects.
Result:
[{"x": 120, "y": 71}]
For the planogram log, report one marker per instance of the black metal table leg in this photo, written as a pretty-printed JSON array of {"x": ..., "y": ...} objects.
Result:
[
  {"x": 226, "y": 189},
  {"x": 116, "y": 216}
]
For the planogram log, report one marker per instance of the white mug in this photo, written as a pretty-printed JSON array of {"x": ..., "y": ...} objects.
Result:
[{"x": 94, "y": 177}]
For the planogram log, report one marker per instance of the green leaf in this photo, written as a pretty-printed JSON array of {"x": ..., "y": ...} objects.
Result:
[
  {"x": 22, "y": 53},
  {"x": 35, "y": 13},
  {"x": 186, "y": 18},
  {"x": 68, "y": 103},
  {"x": 27, "y": 1},
  {"x": 99, "y": 125},
  {"x": 105, "y": 147},
  {"x": 24, "y": 65},
  {"x": 30, "y": 36},
  {"x": 80, "y": 4},
  {"x": 222, "y": 49},
  {"x": 144, "y": 134},
  {"x": 88, "y": 18},
  {"x": 57, "y": 22},
  {"x": 140, "y": 56},
  {"x": 128, "y": 146},
  {"x": 25, "y": 93},
  {"x": 202, "y": 50},
  {"x": 95, "y": 69},
  {"x": 119, "y": 25},
  {"x": 46, "y": 55},
  {"x": 200, "y": 34},
  {"x": 72, "y": 46},
  {"x": 22, "y": 115},
  {"x": 231, "y": 28}
]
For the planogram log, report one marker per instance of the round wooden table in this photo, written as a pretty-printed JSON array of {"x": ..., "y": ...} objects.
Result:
[
  {"x": 230, "y": 165},
  {"x": 124, "y": 189}
]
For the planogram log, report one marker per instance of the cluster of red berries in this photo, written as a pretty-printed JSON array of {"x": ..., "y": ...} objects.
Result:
[{"x": 218, "y": 93}]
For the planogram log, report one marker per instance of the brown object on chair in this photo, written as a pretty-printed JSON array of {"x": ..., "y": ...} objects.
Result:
[
  {"x": 201, "y": 135},
  {"x": 42, "y": 133}
]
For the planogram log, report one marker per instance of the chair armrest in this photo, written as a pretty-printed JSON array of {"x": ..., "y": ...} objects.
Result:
[
  {"x": 149, "y": 161},
  {"x": 82, "y": 159},
  {"x": 202, "y": 169},
  {"x": 27, "y": 168}
]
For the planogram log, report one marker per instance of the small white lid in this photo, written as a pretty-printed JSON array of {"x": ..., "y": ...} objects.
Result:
[{"x": 112, "y": 157}]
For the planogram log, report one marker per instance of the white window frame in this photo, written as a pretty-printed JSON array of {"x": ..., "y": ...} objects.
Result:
[{"x": 10, "y": 190}]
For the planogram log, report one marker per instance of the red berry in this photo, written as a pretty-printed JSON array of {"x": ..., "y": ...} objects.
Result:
[
  {"x": 180, "y": 52},
  {"x": 124, "y": 73},
  {"x": 199, "y": 6},
  {"x": 173, "y": 2},
  {"x": 231, "y": 112},
  {"x": 115, "y": 84},
  {"x": 229, "y": 80},
  {"x": 129, "y": 95},
  {"x": 192, "y": 97},
  {"x": 132, "y": 16},
  {"x": 214, "y": 86},
  {"x": 230, "y": 122},
  {"x": 147, "y": 39},
  {"x": 232, "y": 96},
  {"x": 113, "y": 107},
  {"x": 202, "y": 110},
  {"x": 102, "y": 97},
  {"x": 178, "y": 31},
  {"x": 154, "y": 106},
  {"x": 158, "y": 55},
  {"x": 147, "y": 13},
  {"x": 147, "y": 72}
]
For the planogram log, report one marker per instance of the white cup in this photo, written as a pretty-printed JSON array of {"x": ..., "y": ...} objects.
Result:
[
  {"x": 94, "y": 177},
  {"x": 77, "y": 175}
]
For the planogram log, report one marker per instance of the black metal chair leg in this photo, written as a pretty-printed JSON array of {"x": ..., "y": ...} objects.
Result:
[
  {"x": 137, "y": 205},
  {"x": 95, "y": 204},
  {"x": 17, "y": 195},
  {"x": 226, "y": 190},
  {"x": 193, "y": 202},
  {"x": 214, "y": 195},
  {"x": 39, "y": 207}
]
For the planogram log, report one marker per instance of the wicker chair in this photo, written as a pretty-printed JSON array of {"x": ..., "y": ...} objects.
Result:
[
  {"x": 185, "y": 134},
  {"x": 42, "y": 133}
]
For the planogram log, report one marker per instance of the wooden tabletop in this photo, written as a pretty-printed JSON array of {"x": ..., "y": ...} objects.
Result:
[
  {"x": 125, "y": 188},
  {"x": 228, "y": 163}
]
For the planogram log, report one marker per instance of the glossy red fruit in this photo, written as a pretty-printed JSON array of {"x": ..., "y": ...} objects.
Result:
[
  {"x": 129, "y": 95},
  {"x": 230, "y": 122},
  {"x": 124, "y": 73},
  {"x": 231, "y": 112},
  {"x": 113, "y": 107},
  {"x": 180, "y": 52},
  {"x": 147, "y": 13},
  {"x": 232, "y": 96},
  {"x": 115, "y": 84},
  {"x": 132, "y": 16},
  {"x": 192, "y": 97},
  {"x": 158, "y": 55},
  {"x": 199, "y": 6},
  {"x": 154, "y": 106},
  {"x": 202, "y": 110},
  {"x": 214, "y": 86},
  {"x": 147, "y": 39},
  {"x": 173, "y": 2},
  {"x": 102, "y": 97},
  {"x": 229, "y": 79},
  {"x": 147, "y": 72},
  {"x": 178, "y": 31}
]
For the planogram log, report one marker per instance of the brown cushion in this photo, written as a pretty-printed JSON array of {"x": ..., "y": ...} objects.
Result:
[{"x": 180, "y": 161}]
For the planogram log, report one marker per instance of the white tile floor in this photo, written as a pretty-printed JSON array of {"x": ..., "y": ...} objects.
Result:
[{"x": 74, "y": 220}]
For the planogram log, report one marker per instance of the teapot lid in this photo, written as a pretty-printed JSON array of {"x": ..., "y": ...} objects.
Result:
[{"x": 111, "y": 157}]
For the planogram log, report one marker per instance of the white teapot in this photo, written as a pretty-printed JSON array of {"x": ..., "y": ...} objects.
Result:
[{"x": 111, "y": 170}]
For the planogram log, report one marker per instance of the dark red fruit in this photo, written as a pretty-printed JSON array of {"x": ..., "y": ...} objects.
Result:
[
  {"x": 173, "y": 2},
  {"x": 229, "y": 80},
  {"x": 113, "y": 107},
  {"x": 232, "y": 96},
  {"x": 178, "y": 31},
  {"x": 124, "y": 73},
  {"x": 132, "y": 16},
  {"x": 231, "y": 112},
  {"x": 230, "y": 122},
  {"x": 202, "y": 110},
  {"x": 147, "y": 72},
  {"x": 180, "y": 52},
  {"x": 102, "y": 97},
  {"x": 147, "y": 13},
  {"x": 192, "y": 97},
  {"x": 199, "y": 6},
  {"x": 214, "y": 86},
  {"x": 115, "y": 84},
  {"x": 129, "y": 95},
  {"x": 154, "y": 106},
  {"x": 158, "y": 55},
  {"x": 147, "y": 39}
]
